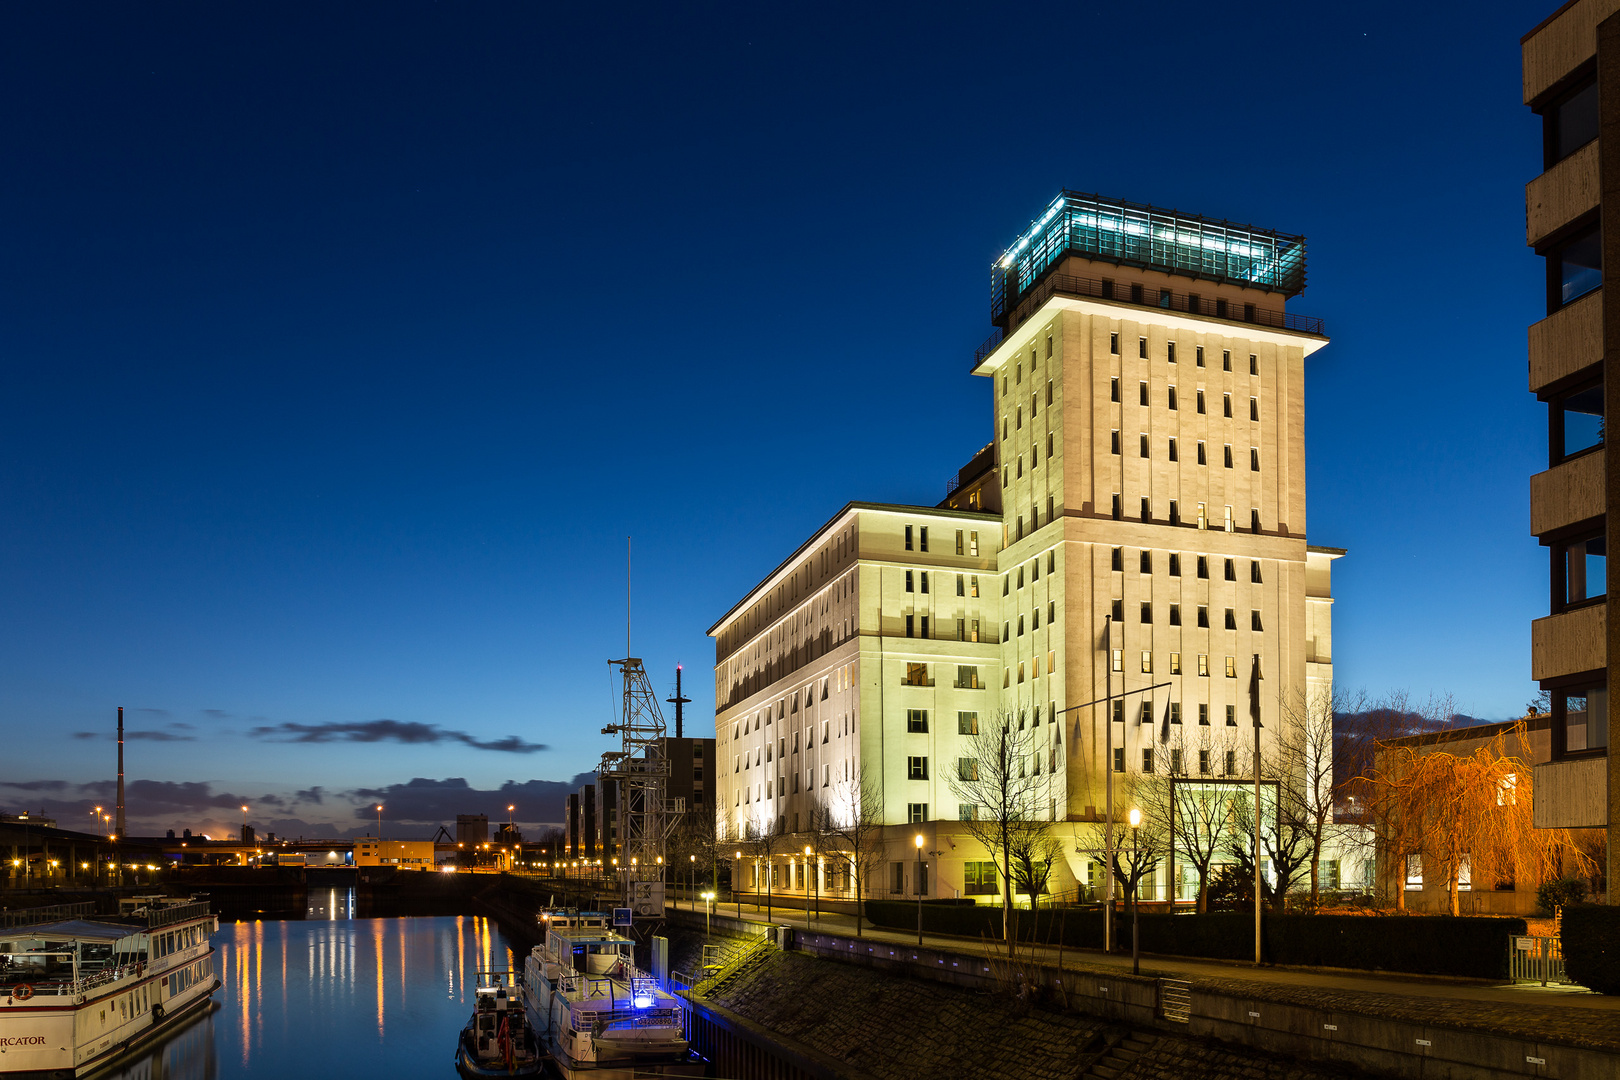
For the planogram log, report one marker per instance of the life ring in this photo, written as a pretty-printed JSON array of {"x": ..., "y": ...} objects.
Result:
[{"x": 22, "y": 991}]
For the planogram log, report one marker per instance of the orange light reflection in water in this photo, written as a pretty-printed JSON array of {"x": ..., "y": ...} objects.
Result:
[
  {"x": 238, "y": 955},
  {"x": 377, "y": 944}
]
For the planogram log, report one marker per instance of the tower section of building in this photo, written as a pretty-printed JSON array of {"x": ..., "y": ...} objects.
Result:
[
  {"x": 1148, "y": 410},
  {"x": 1572, "y": 82},
  {"x": 857, "y": 664}
]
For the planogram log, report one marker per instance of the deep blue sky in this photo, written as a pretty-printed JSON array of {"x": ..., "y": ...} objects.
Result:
[{"x": 343, "y": 345}]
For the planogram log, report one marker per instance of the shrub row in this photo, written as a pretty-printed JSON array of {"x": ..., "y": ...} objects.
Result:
[
  {"x": 1590, "y": 937},
  {"x": 1423, "y": 944}
]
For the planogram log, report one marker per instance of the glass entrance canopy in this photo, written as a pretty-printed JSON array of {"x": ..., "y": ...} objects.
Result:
[{"x": 1112, "y": 230}]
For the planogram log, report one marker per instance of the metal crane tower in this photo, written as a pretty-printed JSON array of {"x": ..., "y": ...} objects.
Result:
[{"x": 640, "y": 769}]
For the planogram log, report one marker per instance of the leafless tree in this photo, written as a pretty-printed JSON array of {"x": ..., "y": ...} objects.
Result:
[
  {"x": 767, "y": 841},
  {"x": 1138, "y": 850},
  {"x": 1304, "y": 767},
  {"x": 994, "y": 777},
  {"x": 849, "y": 830}
]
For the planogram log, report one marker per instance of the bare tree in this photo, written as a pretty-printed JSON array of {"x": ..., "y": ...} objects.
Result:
[
  {"x": 850, "y": 830},
  {"x": 768, "y": 840},
  {"x": 1196, "y": 813},
  {"x": 1138, "y": 850},
  {"x": 994, "y": 777},
  {"x": 1304, "y": 767},
  {"x": 1033, "y": 855}
]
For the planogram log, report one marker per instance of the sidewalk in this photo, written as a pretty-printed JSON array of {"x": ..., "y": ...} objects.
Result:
[{"x": 1562, "y": 1014}]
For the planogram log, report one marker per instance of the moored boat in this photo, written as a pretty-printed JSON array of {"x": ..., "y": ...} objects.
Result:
[
  {"x": 497, "y": 1040},
  {"x": 599, "y": 1016},
  {"x": 77, "y": 994}
]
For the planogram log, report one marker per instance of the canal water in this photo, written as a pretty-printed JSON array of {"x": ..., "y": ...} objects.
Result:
[{"x": 332, "y": 996}]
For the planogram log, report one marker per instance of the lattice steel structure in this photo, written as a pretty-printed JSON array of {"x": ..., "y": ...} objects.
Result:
[{"x": 641, "y": 770}]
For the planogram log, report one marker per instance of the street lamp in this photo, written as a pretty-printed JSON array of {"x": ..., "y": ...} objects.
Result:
[
  {"x": 691, "y": 876},
  {"x": 708, "y": 912},
  {"x": 736, "y": 873},
  {"x": 814, "y": 872},
  {"x": 1135, "y": 818},
  {"x": 379, "y": 824},
  {"x": 919, "y": 842}
]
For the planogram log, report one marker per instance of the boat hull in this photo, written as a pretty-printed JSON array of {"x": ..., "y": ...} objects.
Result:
[{"x": 59, "y": 1067}]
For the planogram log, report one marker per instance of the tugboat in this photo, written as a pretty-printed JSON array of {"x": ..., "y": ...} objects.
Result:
[
  {"x": 497, "y": 1040},
  {"x": 599, "y": 1016}
]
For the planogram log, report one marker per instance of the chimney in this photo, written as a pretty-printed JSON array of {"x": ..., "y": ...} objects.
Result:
[
  {"x": 678, "y": 700},
  {"x": 120, "y": 819}
]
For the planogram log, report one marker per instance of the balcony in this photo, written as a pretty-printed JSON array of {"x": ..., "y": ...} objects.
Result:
[
  {"x": 1567, "y": 493},
  {"x": 1561, "y": 194},
  {"x": 1572, "y": 794},
  {"x": 1569, "y": 642},
  {"x": 1152, "y": 298},
  {"x": 1566, "y": 341}
]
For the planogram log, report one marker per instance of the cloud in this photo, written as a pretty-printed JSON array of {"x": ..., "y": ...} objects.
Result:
[
  {"x": 90, "y": 735},
  {"x": 409, "y": 733},
  {"x": 439, "y": 801},
  {"x": 216, "y": 714},
  {"x": 148, "y": 736},
  {"x": 182, "y": 726},
  {"x": 35, "y": 785},
  {"x": 316, "y": 795}
]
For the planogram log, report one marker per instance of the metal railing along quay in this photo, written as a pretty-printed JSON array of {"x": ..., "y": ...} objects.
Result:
[{"x": 1146, "y": 297}]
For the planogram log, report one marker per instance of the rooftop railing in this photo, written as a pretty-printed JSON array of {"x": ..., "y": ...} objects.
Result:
[
  {"x": 1145, "y": 297},
  {"x": 53, "y": 913}
]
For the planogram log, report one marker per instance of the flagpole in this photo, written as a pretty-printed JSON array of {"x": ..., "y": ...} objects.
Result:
[{"x": 1254, "y": 712}]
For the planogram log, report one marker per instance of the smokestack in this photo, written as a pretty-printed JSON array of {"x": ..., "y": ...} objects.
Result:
[
  {"x": 120, "y": 819},
  {"x": 678, "y": 700}
]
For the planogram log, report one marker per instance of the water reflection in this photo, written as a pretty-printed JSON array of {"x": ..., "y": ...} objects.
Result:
[{"x": 332, "y": 996}]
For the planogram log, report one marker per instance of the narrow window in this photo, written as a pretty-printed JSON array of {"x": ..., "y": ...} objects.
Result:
[
  {"x": 1254, "y": 364},
  {"x": 1228, "y": 457},
  {"x": 1201, "y": 459},
  {"x": 909, "y": 583},
  {"x": 908, "y": 537},
  {"x": 1147, "y": 562},
  {"x": 1203, "y": 516},
  {"x": 1173, "y": 456},
  {"x": 1119, "y": 611},
  {"x": 1226, "y": 404},
  {"x": 1231, "y": 620},
  {"x": 959, "y": 547},
  {"x": 1118, "y": 562},
  {"x": 923, "y": 538},
  {"x": 1141, "y": 347},
  {"x": 1203, "y": 617},
  {"x": 1203, "y": 566},
  {"x": 1147, "y": 614},
  {"x": 1113, "y": 343},
  {"x": 1200, "y": 409},
  {"x": 1144, "y": 444},
  {"x": 1203, "y": 762},
  {"x": 1231, "y": 716},
  {"x": 1226, "y": 356},
  {"x": 1175, "y": 619},
  {"x": 1254, "y": 408},
  {"x": 1147, "y": 760},
  {"x": 973, "y": 549},
  {"x": 1143, "y": 392},
  {"x": 1199, "y": 354},
  {"x": 1119, "y": 759},
  {"x": 1231, "y": 667},
  {"x": 1147, "y": 510},
  {"x": 1113, "y": 391},
  {"x": 1118, "y": 514},
  {"x": 1049, "y": 346},
  {"x": 1254, "y": 459},
  {"x": 1114, "y": 442},
  {"x": 1175, "y": 564},
  {"x": 1231, "y": 570},
  {"x": 1175, "y": 669},
  {"x": 911, "y": 626},
  {"x": 1254, "y": 621},
  {"x": 1254, "y": 520},
  {"x": 1203, "y": 664},
  {"x": 1172, "y": 398},
  {"x": 1170, "y": 351},
  {"x": 1049, "y": 391},
  {"x": 925, "y": 579},
  {"x": 1203, "y": 712},
  {"x": 917, "y": 721},
  {"x": 1254, "y": 571},
  {"x": 1175, "y": 508}
]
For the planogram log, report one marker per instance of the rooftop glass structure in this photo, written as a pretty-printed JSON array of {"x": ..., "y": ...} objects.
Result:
[{"x": 1133, "y": 234}]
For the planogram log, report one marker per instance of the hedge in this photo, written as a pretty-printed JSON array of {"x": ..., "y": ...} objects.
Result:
[
  {"x": 1590, "y": 937},
  {"x": 1423, "y": 944}
]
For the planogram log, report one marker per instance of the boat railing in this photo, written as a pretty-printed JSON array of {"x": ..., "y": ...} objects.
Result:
[
  {"x": 156, "y": 917},
  {"x": 51, "y": 913},
  {"x": 9, "y": 981},
  {"x": 620, "y": 1019}
]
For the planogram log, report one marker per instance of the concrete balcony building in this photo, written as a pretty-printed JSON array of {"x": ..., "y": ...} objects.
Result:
[{"x": 1572, "y": 219}]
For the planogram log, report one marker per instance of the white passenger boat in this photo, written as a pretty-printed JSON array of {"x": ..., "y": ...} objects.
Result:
[
  {"x": 75, "y": 995},
  {"x": 600, "y": 1016}
]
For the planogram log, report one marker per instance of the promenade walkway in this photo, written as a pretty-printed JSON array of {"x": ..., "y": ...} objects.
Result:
[{"x": 1570, "y": 1015}]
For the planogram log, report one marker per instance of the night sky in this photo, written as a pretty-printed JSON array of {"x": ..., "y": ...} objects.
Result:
[{"x": 343, "y": 346}]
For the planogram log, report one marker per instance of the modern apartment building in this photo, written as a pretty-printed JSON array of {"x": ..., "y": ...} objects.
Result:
[
  {"x": 1572, "y": 215},
  {"x": 1138, "y": 518}
]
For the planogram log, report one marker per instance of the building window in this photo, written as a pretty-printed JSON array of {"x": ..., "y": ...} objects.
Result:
[
  {"x": 923, "y": 545},
  {"x": 973, "y": 584},
  {"x": 1142, "y": 393},
  {"x": 1173, "y": 456},
  {"x": 967, "y": 677},
  {"x": 908, "y": 537},
  {"x": 1113, "y": 390},
  {"x": 1147, "y": 614},
  {"x": 978, "y": 878},
  {"x": 1254, "y": 571},
  {"x": 961, "y": 585},
  {"x": 916, "y": 674},
  {"x": 1170, "y": 351},
  {"x": 925, "y": 575},
  {"x": 1175, "y": 669},
  {"x": 911, "y": 625},
  {"x": 1231, "y": 570},
  {"x": 1020, "y": 626},
  {"x": 1254, "y": 459},
  {"x": 1175, "y": 508},
  {"x": 916, "y": 813},
  {"x": 1147, "y": 665},
  {"x": 1203, "y": 712},
  {"x": 1574, "y": 268},
  {"x": 1569, "y": 123},
  {"x": 1119, "y": 759},
  {"x": 1118, "y": 516},
  {"x": 1201, "y": 458},
  {"x": 1200, "y": 401},
  {"x": 916, "y": 768},
  {"x": 1231, "y": 667},
  {"x": 967, "y": 769},
  {"x": 1254, "y": 364},
  {"x": 1175, "y": 614},
  {"x": 973, "y": 548},
  {"x": 1199, "y": 355},
  {"x": 1141, "y": 349},
  {"x": 1580, "y": 720},
  {"x": 916, "y": 722},
  {"x": 1203, "y": 664},
  {"x": 960, "y": 549},
  {"x": 1118, "y": 660},
  {"x": 1143, "y": 443},
  {"x": 1231, "y": 712},
  {"x": 1119, "y": 611},
  {"x": 1226, "y": 405},
  {"x": 1172, "y": 398},
  {"x": 1575, "y": 421},
  {"x": 1119, "y": 711},
  {"x": 1118, "y": 559},
  {"x": 1175, "y": 564},
  {"x": 1114, "y": 441},
  {"x": 1203, "y": 566},
  {"x": 967, "y": 723},
  {"x": 897, "y": 883},
  {"x": 1147, "y": 760},
  {"x": 1254, "y": 409},
  {"x": 1226, "y": 361},
  {"x": 910, "y": 585},
  {"x": 1254, "y": 520},
  {"x": 1048, "y": 346},
  {"x": 1203, "y": 762},
  {"x": 1203, "y": 616},
  {"x": 1254, "y": 621},
  {"x": 1113, "y": 344},
  {"x": 1228, "y": 460},
  {"x": 1147, "y": 510},
  {"x": 1579, "y": 571},
  {"x": 1146, "y": 562}
]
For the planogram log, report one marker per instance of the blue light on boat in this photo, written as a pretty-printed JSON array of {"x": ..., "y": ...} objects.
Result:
[{"x": 642, "y": 1001}]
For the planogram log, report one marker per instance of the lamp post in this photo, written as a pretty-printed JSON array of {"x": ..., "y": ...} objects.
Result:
[
  {"x": 736, "y": 872},
  {"x": 1136, "y": 955},
  {"x": 708, "y": 912},
  {"x": 379, "y": 823},
  {"x": 919, "y": 842},
  {"x": 812, "y": 871},
  {"x": 691, "y": 876}
]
